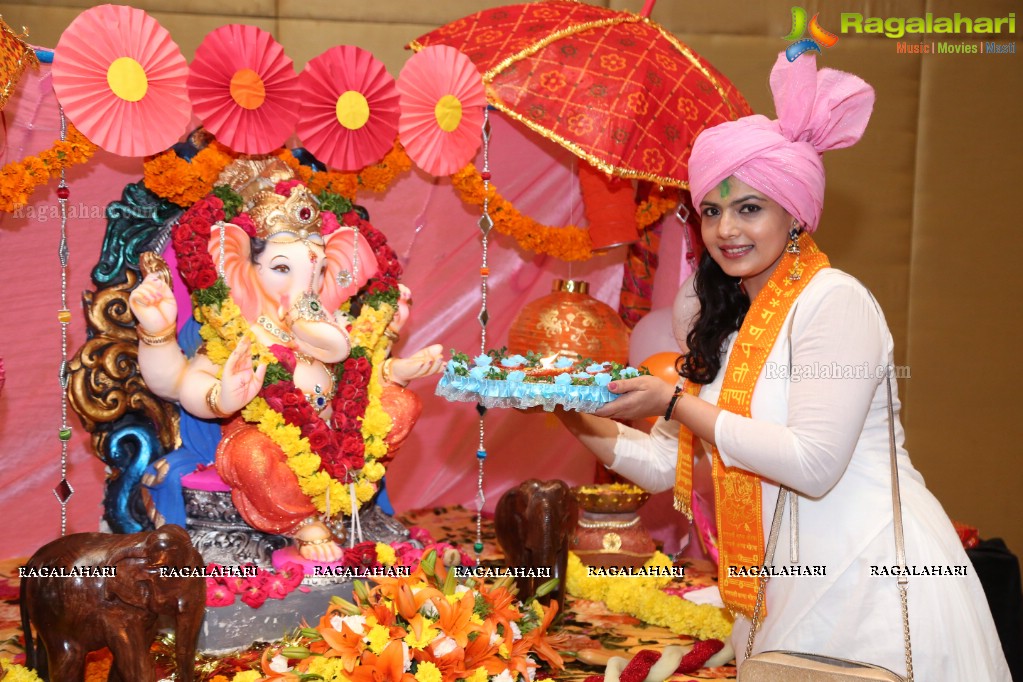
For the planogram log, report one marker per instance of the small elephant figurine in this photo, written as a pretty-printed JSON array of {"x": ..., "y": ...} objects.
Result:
[
  {"x": 76, "y": 615},
  {"x": 534, "y": 524}
]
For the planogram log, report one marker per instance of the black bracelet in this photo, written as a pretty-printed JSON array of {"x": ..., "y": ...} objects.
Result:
[{"x": 671, "y": 403}]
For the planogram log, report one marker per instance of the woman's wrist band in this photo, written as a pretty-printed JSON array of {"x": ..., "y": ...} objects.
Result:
[{"x": 671, "y": 403}]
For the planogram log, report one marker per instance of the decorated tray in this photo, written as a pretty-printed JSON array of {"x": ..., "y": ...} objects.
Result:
[{"x": 497, "y": 379}]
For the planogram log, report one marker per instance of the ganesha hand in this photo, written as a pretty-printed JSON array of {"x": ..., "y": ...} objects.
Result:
[
  {"x": 401, "y": 314},
  {"x": 154, "y": 305},
  {"x": 240, "y": 383},
  {"x": 427, "y": 361}
]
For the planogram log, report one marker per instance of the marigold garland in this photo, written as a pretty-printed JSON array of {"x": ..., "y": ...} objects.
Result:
[
  {"x": 19, "y": 179},
  {"x": 174, "y": 179},
  {"x": 643, "y": 598},
  {"x": 569, "y": 243},
  {"x": 186, "y": 182}
]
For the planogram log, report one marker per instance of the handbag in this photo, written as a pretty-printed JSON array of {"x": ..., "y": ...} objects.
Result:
[{"x": 791, "y": 666}]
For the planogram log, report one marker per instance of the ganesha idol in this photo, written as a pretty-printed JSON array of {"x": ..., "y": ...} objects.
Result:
[{"x": 298, "y": 310}]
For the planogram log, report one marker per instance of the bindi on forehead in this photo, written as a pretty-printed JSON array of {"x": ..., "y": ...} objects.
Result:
[{"x": 724, "y": 188}]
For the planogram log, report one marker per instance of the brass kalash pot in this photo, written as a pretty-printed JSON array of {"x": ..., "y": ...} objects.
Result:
[
  {"x": 609, "y": 531},
  {"x": 570, "y": 321}
]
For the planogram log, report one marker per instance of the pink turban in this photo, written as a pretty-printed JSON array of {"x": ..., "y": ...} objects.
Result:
[{"x": 817, "y": 111}]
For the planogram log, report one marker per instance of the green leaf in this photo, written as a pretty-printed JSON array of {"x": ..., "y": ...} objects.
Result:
[
  {"x": 232, "y": 200},
  {"x": 213, "y": 295},
  {"x": 335, "y": 203},
  {"x": 274, "y": 373},
  {"x": 390, "y": 297}
]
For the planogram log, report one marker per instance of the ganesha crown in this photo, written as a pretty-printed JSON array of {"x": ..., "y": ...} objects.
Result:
[{"x": 297, "y": 214}]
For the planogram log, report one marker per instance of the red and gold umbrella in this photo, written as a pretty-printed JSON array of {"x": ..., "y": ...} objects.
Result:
[{"x": 613, "y": 87}]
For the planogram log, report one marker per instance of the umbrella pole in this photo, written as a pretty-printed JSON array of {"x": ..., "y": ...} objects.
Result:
[{"x": 648, "y": 7}]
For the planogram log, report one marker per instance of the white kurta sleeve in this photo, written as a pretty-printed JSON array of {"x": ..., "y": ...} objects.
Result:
[
  {"x": 647, "y": 459},
  {"x": 836, "y": 330}
]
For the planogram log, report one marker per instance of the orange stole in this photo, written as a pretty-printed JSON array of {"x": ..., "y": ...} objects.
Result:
[{"x": 737, "y": 492}]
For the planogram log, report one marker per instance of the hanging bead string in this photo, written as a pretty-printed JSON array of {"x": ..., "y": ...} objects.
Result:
[
  {"x": 63, "y": 491},
  {"x": 486, "y": 224}
]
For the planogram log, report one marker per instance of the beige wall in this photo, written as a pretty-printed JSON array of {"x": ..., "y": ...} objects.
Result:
[{"x": 925, "y": 210}]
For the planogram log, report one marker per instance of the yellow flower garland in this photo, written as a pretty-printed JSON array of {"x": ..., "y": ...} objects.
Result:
[
  {"x": 643, "y": 598},
  {"x": 12, "y": 672},
  {"x": 19, "y": 179},
  {"x": 223, "y": 327}
]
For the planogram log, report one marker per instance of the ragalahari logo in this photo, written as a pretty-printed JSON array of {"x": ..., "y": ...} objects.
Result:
[{"x": 818, "y": 35}]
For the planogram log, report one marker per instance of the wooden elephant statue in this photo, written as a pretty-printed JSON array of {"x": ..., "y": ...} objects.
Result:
[
  {"x": 534, "y": 524},
  {"x": 87, "y": 591}
]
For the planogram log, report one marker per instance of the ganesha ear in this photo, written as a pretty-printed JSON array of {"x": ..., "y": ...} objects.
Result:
[
  {"x": 239, "y": 272},
  {"x": 341, "y": 247}
]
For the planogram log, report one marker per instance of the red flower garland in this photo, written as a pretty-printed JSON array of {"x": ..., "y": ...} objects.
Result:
[{"x": 190, "y": 237}]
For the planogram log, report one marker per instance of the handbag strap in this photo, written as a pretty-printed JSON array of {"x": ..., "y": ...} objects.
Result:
[{"x": 900, "y": 546}]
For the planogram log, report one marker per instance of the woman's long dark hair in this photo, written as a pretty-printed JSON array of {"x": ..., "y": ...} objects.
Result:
[{"x": 723, "y": 306}]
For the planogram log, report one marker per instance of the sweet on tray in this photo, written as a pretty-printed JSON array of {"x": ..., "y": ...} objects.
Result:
[{"x": 497, "y": 379}]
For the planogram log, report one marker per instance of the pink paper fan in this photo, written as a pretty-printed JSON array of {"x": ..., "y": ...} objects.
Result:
[
  {"x": 244, "y": 89},
  {"x": 121, "y": 80},
  {"x": 442, "y": 103},
  {"x": 349, "y": 117}
]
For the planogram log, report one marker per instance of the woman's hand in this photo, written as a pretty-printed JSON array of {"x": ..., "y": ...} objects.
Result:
[
  {"x": 239, "y": 383},
  {"x": 644, "y": 396},
  {"x": 154, "y": 305}
]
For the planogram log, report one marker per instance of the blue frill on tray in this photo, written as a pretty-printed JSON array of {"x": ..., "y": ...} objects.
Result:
[{"x": 514, "y": 392}]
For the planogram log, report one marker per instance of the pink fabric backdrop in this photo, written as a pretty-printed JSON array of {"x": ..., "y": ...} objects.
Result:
[{"x": 439, "y": 243}]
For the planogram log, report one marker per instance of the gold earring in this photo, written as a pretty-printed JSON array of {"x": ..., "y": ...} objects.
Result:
[{"x": 796, "y": 270}]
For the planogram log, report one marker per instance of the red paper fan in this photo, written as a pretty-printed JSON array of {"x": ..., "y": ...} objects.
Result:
[
  {"x": 349, "y": 116},
  {"x": 121, "y": 80},
  {"x": 442, "y": 103},
  {"x": 244, "y": 89}
]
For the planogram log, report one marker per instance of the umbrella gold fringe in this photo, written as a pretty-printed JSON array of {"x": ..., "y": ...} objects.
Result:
[{"x": 595, "y": 161}]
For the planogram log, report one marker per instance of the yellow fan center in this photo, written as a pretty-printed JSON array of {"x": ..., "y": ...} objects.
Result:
[
  {"x": 127, "y": 79},
  {"x": 352, "y": 110},
  {"x": 247, "y": 89},
  {"x": 448, "y": 112}
]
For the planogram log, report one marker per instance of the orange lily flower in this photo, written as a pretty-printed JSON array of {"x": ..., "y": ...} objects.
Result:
[
  {"x": 454, "y": 619},
  {"x": 390, "y": 587},
  {"x": 480, "y": 652},
  {"x": 346, "y": 645},
  {"x": 451, "y": 664},
  {"x": 502, "y": 605},
  {"x": 389, "y": 666},
  {"x": 407, "y": 602},
  {"x": 540, "y": 642},
  {"x": 381, "y": 611}
]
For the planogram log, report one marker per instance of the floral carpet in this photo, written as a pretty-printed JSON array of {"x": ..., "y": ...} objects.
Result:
[{"x": 586, "y": 626}]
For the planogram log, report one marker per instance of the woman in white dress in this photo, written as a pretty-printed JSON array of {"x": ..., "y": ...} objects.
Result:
[{"x": 784, "y": 384}]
